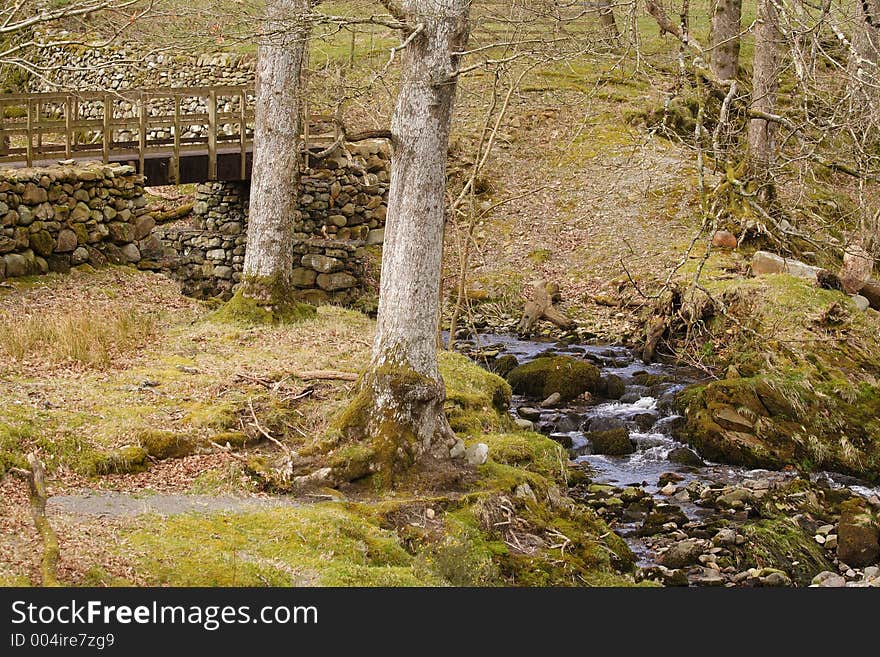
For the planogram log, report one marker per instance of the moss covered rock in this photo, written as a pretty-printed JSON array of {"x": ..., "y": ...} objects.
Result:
[
  {"x": 118, "y": 461},
  {"x": 555, "y": 374},
  {"x": 613, "y": 442},
  {"x": 858, "y": 541},
  {"x": 781, "y": 543},
  {"x": 166, "y": 444}
]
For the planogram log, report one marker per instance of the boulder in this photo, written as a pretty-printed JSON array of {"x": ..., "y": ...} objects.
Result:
[
  {"x": 529, "y": 413},
  {"x": 338, "y": 281},
  {"x": 858, "y": 535},
  {"x": 131, "y": 253},
  {"x": 477, "y": 454},
  {"x": 613, "y": 442},
  {"x": 613, "y": 387},
  {"x": 303, "y": 277},
  {"x": 79, "y": 256},
  {"x": 66, "y": 242},
  {"x": 321, "y": 263},
  {"x": 143, "y": 226},
  {"x": 543, "y": 376},
  {"x": 681, "y": 554},
  {"x": 723, "y": 239},
  {"x": 764, "y": 262},
  {"x": 502, "y": 365},
  {"x": 685, "y": 456},
  {"x": 605, "y": 423}
]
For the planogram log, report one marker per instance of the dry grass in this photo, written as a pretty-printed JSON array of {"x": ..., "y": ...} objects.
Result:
[{"x": 89, "y": 337}]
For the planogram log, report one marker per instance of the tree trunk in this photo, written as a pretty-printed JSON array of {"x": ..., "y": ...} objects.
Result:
[
  {"x": 268, "y": 264},
  {"x": 606, "y": 19},
  {"x": 765, "y": 82},
  {"x": 398, "y": 412},
  {"x": 724, "y": 57},
  {"x": 864, "y": 77}
]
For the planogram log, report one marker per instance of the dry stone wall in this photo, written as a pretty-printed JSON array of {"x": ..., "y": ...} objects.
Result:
[
  {"x": 57, "y": 217},
  {"x": 341, "y": 215}
]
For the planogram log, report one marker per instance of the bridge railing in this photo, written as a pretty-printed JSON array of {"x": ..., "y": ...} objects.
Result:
[{"x": 137, "y": 125}]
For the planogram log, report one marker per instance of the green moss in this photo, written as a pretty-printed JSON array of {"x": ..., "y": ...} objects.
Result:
[
  {"x": 782, "y": 544},
  {"x": 543, "y": 377},
  {"x": 120, "y": 461},
  {"x": 317, "y": 545},
  {"x": 808, "y": 387},
  {"x": 528, "y": 451},
  {"x": 476, "y": 400},
  {"x": 263, "y": 301},
  {"x": 166, "y": 444},
  {"x": 235, "y": 439}
]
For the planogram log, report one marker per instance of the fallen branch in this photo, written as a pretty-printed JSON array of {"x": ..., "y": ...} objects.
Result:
[
  {"x": 326, "y": 375},
  {"x": 163, "y": 217},
  {"x": 36, "y": 479},
  {"x": 540, "y": 306}
]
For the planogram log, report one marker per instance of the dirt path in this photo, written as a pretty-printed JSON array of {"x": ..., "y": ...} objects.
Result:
[{"x": 115, "y": 505}]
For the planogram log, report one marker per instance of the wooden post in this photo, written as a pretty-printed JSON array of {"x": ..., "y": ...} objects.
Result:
[
  {"x": 242, "y": 113},
  {"x": 30, "y": 126},
  {"x": 212, "y": 135},
  {"x": 107, "y": 135},
  {"x": 39, "y": 112},
  {"x": 3, "y": 138},
  {"x": 142, "y": 132},
  {"x": 175, "y": 158},
  {"x": 68, "y": 121}
]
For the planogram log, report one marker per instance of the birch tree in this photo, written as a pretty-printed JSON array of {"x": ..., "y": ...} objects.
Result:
[
  {"x": 266, "y": 290},
  {"x": 398, "y": 413}
]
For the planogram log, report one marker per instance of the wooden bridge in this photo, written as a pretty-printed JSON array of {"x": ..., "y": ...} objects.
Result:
[{"x": 172, "y": 136}]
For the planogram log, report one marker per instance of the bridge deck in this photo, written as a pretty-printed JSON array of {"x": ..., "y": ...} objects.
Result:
[{"x": 172, "y": 136}]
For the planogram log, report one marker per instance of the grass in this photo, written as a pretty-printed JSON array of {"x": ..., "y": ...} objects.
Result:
[{"x": 86, "y": 337}]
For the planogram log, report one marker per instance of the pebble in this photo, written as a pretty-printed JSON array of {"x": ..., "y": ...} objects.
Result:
[
  {"x": 819, "y": 539},
  {"x": 668, "y": 489}
]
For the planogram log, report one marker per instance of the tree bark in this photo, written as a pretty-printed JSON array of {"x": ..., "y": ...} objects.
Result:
[
  {"x": 724, "y": 58},
  {"x": 765, "y": 83},
  {"x": 399, "y": 409},
  {"x": 268, "y": 264},
  {"x": 606, "y": 19},
  {"x": 864, "y": 75}
]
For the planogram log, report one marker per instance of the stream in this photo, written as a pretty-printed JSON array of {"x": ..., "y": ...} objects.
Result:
[{"x": 653, "y": 502}]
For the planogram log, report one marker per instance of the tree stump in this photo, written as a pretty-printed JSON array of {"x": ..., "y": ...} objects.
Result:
[{"x": 540, "y": 306}]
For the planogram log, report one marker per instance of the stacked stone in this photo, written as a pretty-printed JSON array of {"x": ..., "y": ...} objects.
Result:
[
  {"x": 329, "y": 270},
  {"x": 346, "y": 200},
  {"x": 341, "y": 212},
  {"x": 57, "y": 217},
  {"x": 122, "y": 68}
]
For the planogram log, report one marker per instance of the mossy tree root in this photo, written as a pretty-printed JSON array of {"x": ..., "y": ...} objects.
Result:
[
  {"x": 395, "y": 422},
  {"x": 261, "y": 300}
]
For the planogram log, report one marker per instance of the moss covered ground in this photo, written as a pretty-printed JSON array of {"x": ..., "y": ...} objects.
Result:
[{"x": 187, "y": 411}]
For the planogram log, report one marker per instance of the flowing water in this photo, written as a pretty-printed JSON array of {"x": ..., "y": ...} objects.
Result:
[{"x": 646, "y": 411}]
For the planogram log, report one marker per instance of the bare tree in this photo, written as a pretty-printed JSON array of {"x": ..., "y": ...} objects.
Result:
[
  {"x": 765, "y": 83},
  {"x": 724, "y": 58},
  {"x": 268, "y": 265},
  {"x": 399, "y": 408}
]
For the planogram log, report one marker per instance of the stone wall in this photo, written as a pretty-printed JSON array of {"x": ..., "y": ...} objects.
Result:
[
  {"x": 121, "y": 68},
  {"x": 341, "y": 214},
  {"x": 57, "y": 217},
  {"x": 125, "y": 67}
]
